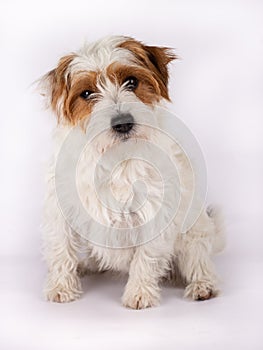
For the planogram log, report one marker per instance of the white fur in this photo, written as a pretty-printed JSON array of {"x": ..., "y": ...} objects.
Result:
[
  {"x": 100, "y": 54},
  {"x": 146, "y": 264}
]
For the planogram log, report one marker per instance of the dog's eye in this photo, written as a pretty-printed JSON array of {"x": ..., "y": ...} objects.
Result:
[
  {"x": 131, "y": 83},
  {"x": 86, "y": 94}
]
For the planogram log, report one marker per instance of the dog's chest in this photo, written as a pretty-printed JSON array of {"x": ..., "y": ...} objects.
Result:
[{"x": 127, "y": 195}]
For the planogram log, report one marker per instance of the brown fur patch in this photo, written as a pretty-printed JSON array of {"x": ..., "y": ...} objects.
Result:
[
  {"x": 148, "y": 90},
  {"x": 68, "y": 88},
  {"x": 153, "y": 58},
  {"x": 58, "y": 83},
  {"x": 75, "y": 107}
]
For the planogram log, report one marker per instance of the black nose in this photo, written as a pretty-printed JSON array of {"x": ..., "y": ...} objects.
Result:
[{"x": 123, "y": 123}]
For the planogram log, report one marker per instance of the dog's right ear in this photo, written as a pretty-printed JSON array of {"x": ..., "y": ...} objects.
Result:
[{"x": 54, "y": 86}]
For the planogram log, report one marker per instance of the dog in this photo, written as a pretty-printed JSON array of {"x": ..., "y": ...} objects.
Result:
[{"x": 109, "y": 100}]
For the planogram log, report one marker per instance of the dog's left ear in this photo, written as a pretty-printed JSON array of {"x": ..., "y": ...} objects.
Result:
[
  {"x": 154, "y": 58},
  {"x": 159, "y": 58}
]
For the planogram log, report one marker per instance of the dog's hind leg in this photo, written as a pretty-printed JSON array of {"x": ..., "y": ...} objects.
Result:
[{"x": 193, "y": 251}]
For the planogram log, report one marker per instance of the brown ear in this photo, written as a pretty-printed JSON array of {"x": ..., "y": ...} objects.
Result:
[
  {"x": 56, "y": 84},
  {"x": 155, "y": 58},
  {"x": 160, "y": 57}
]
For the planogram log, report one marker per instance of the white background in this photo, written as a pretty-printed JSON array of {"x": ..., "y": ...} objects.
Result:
[{"x": 216, "y": 87}]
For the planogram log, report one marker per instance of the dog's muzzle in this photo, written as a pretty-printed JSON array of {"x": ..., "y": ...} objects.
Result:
[{"x": 123, "y": 123}]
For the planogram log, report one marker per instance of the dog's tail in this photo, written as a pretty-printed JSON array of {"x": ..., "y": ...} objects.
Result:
[{"x": 215, "y": 214}]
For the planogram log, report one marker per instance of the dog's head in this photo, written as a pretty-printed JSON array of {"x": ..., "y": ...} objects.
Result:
[{"x": 112, "y": 75}]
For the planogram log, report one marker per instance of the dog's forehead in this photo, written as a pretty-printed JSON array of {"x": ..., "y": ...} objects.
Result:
[{"x": 102, "y": 53}]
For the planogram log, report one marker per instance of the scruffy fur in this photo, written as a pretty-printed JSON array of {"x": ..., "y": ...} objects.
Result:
[{"x": 102, "y": 67}]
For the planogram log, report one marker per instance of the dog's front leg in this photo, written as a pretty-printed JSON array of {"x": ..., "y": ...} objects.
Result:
[
  {"x": 142, "y": 289},
  {"x": 63, "y": 283}
]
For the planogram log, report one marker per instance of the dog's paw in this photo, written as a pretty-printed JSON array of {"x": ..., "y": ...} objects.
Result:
[
  {"x": 60, "y": 295},
  {"x": 201, "y": 290},
  {"x": 140, "y": 298},
  {"x": 65, "y": 292}
]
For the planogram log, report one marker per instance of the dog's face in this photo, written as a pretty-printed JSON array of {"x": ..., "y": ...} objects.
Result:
[{"x": 110, "y": 83}]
